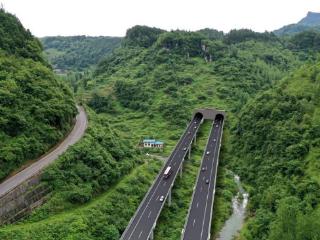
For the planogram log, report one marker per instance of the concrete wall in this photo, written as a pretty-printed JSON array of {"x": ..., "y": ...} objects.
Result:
[{"x": 20, "y": 201}]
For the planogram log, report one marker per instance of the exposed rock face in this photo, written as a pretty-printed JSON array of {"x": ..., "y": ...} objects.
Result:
[
  {"x": 312, "y": 19},
  {"x": 310, "y": 22}
]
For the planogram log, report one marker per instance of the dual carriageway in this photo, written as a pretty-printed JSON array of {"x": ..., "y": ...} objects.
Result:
[{"x": 198, "y": 222}]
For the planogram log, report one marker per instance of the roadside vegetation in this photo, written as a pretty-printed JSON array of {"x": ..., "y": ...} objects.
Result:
[
  {"x": 36, "y": 109},
  {"x": 149, "y": 87}
]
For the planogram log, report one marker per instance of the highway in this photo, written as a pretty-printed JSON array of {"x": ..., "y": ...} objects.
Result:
[
  {"x": 76, "y": 133},
  {"x": 198, "y": 222},
  {"x": 142, "y": 223}
]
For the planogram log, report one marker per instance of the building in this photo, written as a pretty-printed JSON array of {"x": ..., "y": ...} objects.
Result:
[{"x": 152, "y": 143}]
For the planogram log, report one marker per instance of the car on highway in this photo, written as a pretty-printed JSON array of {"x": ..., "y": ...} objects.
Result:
[
  {"x": 195, "y": 127},
  {"x": 185, "y": 149},
  {"x": 161, "y": 199},
  {"x": 214, "y": 139},
  {"x": 167, "y": 172},
  {"x": 203, "y": 169},
  {"x": 207, "y": 181},
  {"x": 208, "y": 152}
]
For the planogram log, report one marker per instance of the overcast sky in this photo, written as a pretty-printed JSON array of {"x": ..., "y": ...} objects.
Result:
[{"x": 113, "y": 17}]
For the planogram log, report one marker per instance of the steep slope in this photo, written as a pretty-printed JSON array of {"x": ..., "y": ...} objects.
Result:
[
  {"x": 310, "y": 22},
  {"x": 149, "y": 87},
  {"x": 36, "y": 109},
  {"x": 78, "y": 52},
  {"x": 276, "y": 150}
]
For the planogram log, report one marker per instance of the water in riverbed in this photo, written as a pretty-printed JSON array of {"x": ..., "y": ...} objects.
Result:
[{"x": 235, "y": 222}]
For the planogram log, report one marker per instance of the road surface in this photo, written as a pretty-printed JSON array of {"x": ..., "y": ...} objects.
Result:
[
  {"x": 141, "y": 225},
  {"x": 200, "y": 212},
  {"x": 76, "y": 133}
]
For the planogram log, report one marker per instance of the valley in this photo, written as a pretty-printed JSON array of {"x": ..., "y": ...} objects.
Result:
[{"x": 146, "y": 85}]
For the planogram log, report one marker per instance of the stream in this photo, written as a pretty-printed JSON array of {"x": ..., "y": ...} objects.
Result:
[{"x": 234, "y": 223}]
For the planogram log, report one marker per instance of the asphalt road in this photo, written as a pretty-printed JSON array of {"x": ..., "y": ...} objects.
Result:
[
  {"x": 76, "y": 133},
  {"x": 142, "y": 223},
  {"x": 200, "y": 212}
]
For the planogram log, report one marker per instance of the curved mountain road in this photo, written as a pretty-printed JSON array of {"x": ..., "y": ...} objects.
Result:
[{"x": 76, "y": 133}]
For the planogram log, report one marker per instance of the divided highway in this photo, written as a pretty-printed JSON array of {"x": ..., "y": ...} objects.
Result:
[
  {"x": 76, "y": 133},
  {"x": 143, "y": 222},
  {"x": 198, "y": 222}
]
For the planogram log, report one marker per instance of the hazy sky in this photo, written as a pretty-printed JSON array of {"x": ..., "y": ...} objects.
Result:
[{"x": 113, "y": 17}]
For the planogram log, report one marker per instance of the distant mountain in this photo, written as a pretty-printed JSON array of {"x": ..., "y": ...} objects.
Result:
[
  {"x": 77, "y": 52},
  {"x": 310, "y": 22}
]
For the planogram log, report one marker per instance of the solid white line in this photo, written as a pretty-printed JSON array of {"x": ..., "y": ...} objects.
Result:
[
  {"x": 204, "y": 216},
  {"x": 140, "y": 234},
  {"x": 177, "y": 147},
  {"x": 149, "y": 214}
]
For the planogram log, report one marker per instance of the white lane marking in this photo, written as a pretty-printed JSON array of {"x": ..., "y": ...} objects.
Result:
[
  {"x": 205, "y": 210},
  {"x": 197, "y": 204},
  {"x": 157, "y": 198},
  {"x": 140, "y": 234},
  {"x": 194, "y": 221},
  {"x": 155, "y": 190},
  {"x": 149, "y": 214}
]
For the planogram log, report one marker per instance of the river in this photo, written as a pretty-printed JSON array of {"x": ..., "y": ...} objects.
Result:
[{"x": 234, "y": 224}]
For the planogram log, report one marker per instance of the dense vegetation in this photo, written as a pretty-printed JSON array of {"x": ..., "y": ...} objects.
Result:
[
  {"x": 36, "y": 109},
  {"x": 149, "y": 87},
  {"x": 78, "y": 52},
  {"x": 277, "y": 151}
]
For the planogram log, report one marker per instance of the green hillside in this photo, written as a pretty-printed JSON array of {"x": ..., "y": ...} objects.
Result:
[
  {"x": 78, "y": 52},
  {"x": 36, "y": 109},
  {"x": 276, "y": 149},
  {"x": 148, "y": 87}
]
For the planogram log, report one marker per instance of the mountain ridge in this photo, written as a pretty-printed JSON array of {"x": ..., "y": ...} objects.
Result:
[{"x": 311, "y": 22}]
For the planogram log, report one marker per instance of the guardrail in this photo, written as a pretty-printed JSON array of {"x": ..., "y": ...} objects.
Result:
[
  {"x": 159, "y": 174},
  {"x": 199, "y": 172}
]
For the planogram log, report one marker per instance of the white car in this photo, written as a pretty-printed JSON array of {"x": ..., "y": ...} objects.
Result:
[
  {"x": 184, "y": 149},
  {"x": 161, "y": 199},
  {"x": 207, "y": 152}
]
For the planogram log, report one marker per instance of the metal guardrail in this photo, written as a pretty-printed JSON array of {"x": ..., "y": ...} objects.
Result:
[
  {"x": 199, "y": 172},
  {"x": 160, "y": 172}
]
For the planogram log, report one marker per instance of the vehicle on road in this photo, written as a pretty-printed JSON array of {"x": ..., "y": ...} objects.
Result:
[
  {"x": 185, "y": 149},
  {"x": 207, "y": 181},
  {"x": 203, "y": 169},
  {"x": 167, "y": 172},
  {"x": 208, "y": 152},
  {"x": 161, "y": 199}
]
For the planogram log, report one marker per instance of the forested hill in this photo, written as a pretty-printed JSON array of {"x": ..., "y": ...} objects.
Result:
[
  {"x": 149, "y": 86},
  {"x": 311, "y": 22},
  {"x": 78, "y": 52},
  {"x": 273, "y": 124},
  {"x": 36, "y": 109}
]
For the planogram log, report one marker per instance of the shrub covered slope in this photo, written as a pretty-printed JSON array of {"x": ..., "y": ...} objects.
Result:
[
  {"x": 149, "y": 87},
  {"x": 36, "y": 109}
]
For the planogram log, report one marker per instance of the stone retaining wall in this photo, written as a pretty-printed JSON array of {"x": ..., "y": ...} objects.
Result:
[{"x": 19, "y": 202}]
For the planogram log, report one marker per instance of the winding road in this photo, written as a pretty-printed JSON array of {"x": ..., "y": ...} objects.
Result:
[{"x": 76, "y": 133}]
